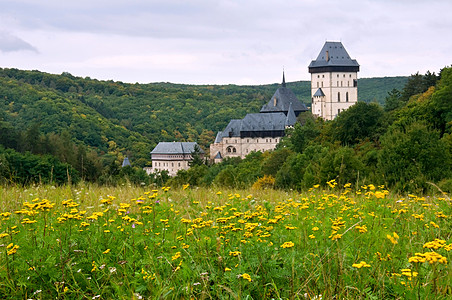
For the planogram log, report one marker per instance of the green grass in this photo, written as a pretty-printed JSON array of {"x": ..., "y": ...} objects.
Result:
[{"x": 91, "y": 242}]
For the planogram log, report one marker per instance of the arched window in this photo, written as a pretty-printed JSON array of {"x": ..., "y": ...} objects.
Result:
[
  {"x": 346, "y": 97},
  {"x": 231, "y": 149},
  {"x": 338, "y": 97}
]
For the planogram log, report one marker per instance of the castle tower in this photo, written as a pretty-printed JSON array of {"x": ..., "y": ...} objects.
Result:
[{"x": 334, "y": 81}]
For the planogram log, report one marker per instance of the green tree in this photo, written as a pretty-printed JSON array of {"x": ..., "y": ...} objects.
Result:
[
  {"x": 412, "y": 156},
  {"x": 361, "y": 121}
]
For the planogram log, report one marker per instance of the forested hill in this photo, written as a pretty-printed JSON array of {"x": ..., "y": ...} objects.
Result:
[{"x": 116, "y": 118}]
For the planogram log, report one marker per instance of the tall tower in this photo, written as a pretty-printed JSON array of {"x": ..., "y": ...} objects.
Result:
[{"x": 334, "y": 81}]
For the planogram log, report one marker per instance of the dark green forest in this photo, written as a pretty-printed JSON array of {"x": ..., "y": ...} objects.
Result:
[{"x": 81, "y": 129}]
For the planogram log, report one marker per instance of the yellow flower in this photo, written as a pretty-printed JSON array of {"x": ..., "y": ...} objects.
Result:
[
  {"x": 361, "y": 265},
  {"x": 246, "y": 276},
  {"x": 106, "y": 251},
  {"x": 234, "y": 253},
  {"x": 13, "y": 249},
  {"x": 176, "y": 256},
  {"x": 287, "y": 245},
  {"x": 227, "y": 269}
]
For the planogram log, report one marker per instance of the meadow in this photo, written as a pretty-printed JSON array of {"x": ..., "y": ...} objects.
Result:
[{"x": 90, "y": 242}]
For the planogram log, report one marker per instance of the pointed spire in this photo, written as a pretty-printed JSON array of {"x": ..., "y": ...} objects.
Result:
[
  {"x": 291, "y": 119},
  {"x": 283, "y": 79}
]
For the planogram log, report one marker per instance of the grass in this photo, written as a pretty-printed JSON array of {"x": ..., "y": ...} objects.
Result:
[{"x": 90, "y": 242}]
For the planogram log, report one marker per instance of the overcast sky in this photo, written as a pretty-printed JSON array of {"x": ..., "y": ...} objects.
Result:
[{"x": 221, "y": 41}]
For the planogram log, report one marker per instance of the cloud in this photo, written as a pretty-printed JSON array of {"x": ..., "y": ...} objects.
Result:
[{"x": 11, "y": 43}]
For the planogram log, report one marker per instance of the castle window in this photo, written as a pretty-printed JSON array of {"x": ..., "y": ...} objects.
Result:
[
  {"x": 344, "y": 75},
  {"x": 350, "y": 76},
  {"x": 348, "y": 83},
  {"x": 318, "y": 76},
  {"x": 338, "y": 111},
  {"x": 323, "y": 76},
  {"x": 317, "y": 84},
  {"x": 341, "y": 83},
  {"x": 231, "y": 149},
  {"x": 337, "y": 75},
  {"x": 338, "y": 83},
  {"x": 355, "y": 83},
  {"x": 322, "y": 83},
  {"x": 346, "y": 97},
  {"x": 338, "y": 97},
  {"x": 234, "y": 150}
]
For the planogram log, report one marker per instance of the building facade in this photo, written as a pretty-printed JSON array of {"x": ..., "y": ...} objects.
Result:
[
  {"x": 258, "y": 131},
  {"x": 334, "y": 81},
  {"x": 172, "y": 157}
]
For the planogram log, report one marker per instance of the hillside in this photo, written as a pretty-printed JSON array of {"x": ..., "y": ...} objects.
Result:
[{"x": 118, "y": 117}]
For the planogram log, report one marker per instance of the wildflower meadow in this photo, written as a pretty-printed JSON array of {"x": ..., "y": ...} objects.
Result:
[{"x": 87, "y": 242}]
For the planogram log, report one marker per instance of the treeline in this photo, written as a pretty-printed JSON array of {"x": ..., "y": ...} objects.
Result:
[
  {"x": 138, "y": 116},
  {"x": 89, "y": 126},
  {"x": 405, "y": 146}
]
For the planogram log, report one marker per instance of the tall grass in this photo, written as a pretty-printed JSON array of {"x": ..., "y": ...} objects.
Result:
[{"x": 89, "y": 242}]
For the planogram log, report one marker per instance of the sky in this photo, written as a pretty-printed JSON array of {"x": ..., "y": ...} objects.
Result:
[{"x": 221, "y": 41}]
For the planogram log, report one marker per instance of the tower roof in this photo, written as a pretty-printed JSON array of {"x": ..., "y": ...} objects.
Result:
[
  {"x": 333, "y": 57},
  {"x": 319, "y": 93},
  {"x": 282, "y": 99},
  {"x": 126, "y": 162},
  {"x": 291, "y": 119}
]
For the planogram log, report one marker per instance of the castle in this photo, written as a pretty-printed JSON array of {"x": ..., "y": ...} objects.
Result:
[
  {"x": 334, "y": 88},
  {"x": 259, "y": 131}
]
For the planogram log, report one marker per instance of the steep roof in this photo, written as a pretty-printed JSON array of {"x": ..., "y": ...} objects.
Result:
[
  {"x": 319, "y": 93},
  {"x": 264, "y": 122},
  {"x": 282, "y": 99},
  {"x": 175, "y": 148},
  {"x": 126, "y": 162},
  {"x": 258, "y": 122},
  {"x": 291, "y": 119},
  {"x": 333, "y": 55}
]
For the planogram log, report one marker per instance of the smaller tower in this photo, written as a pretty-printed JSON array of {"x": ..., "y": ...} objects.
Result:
[{"x": 334, "y": 81}]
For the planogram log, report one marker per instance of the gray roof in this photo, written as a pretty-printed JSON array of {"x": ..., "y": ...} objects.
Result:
[
  {"x": 284, "y": 97},
  {"x": 258, "y": 122},
  {"x": 218, "y": 156},
  {"x": 126, "y": 162},
  {"x": 319, "y": 93},
  {"x": 264, "y": 122},
  {"x": 291, "y": 119},
  {"x": 175, "y": 148},
  {"x": 333, "y": 54}
]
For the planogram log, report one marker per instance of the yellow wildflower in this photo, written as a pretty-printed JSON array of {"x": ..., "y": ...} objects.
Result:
[{"x": 287, "y": 245}]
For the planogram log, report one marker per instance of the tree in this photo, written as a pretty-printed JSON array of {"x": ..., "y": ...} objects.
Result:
[
  {"x": 413, "y": 155},
  {"x": 196, "y": 157},
  {"x": 361, "y": 121},
  {"x": 393, "y": 101}
]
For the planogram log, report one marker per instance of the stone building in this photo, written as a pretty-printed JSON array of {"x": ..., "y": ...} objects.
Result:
[
  {"x": 258, "y": 131},
  {"x": 334, "y": 81},
  {"x": 172, "y": 157}
]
